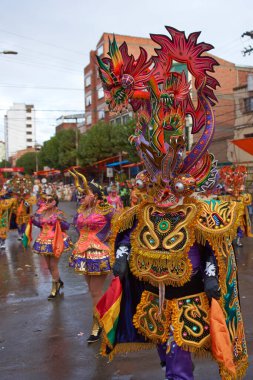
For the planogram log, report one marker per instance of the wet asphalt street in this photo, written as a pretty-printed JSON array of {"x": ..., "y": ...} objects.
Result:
[{"x": 42, "y": 340}]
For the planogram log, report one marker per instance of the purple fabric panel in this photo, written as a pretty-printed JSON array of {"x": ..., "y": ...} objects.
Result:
[
  {"x": 64, "y": 225},
  {"x": 104, "y": 233},
  {"x": 239, "y": 232},
  {"x": 194, "y": 256},
  {"x": 36, "y": 222},
  {"x": 178, "y": 362}
]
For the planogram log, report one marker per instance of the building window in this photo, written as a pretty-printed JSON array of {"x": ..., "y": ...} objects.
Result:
[
  {"x": 28, "y": 118},
  {"x": 29, "y": 140},
  {"x": 87, "y": 81},
  {"x": 29, "y": 146},
  {"x": 89, "y": 119},
  {"x": 101, "y": 114},
  {"x": 118, "y": 120},
  {"x": 28, "y": 125},
  {"x": 100, "y": 50},
  {"x": 248, "y": 135},
  {"x": 28, "y": 133},
  {"x": 100, "y": 93},
  {"x": 250, "y": 82},
  {"x": 88, "y": 100},
  {"x": 248, "y": 104},
  {"x": 28, "y": 109},
  {"x": 125, "y": 119}
]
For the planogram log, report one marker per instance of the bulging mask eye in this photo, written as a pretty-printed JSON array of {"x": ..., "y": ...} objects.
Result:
[
  {"x": 179, "y": 186},
  {"x": 139, "y": 183}
]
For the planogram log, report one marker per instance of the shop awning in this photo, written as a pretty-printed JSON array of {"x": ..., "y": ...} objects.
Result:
[
  {"x": 47, "y": 173},
  {"x": 11, "y": 170},
  {"x": 132, "y": 165},
  {"x": 118, "y": 163},
  {"x": 106, "y": 160},
  {"x": 245, "y": 144}
]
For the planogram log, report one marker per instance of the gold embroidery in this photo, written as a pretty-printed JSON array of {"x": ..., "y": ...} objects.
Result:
[
  {"x": 160, "y": 244},
  {"x": 188, "y": 316},
  {"x": 148, "y": 321},
  {"x": 190, "y": 320}
]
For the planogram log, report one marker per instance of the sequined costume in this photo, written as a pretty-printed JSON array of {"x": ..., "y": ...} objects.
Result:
[
  {"x": 233, "y": 180},
  {"x": 7, "y": 206},
  {"x": 22, "y": 188},
  {"x": 91, "y": 254},
  {"x": 44, "y": 244},
  {"x": 174, "y": 263}
]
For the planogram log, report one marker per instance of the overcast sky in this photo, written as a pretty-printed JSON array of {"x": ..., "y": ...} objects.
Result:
[{"x": 54, "y": 37}]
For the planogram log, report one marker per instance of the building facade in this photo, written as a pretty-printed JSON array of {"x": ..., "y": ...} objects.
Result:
[
  {"x": 19, "y": 128},
  {"x": 2, "y": 151},
  {"x": 243, "y": 121},
  {"x": 227, "y": 73},
  {"x": 95, "y": 107}
]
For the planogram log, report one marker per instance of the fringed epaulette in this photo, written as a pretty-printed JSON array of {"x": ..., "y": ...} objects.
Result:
[
  {"x": 218, "y": 221},
  {"x": 32, "y": 200},
  {"x": 125, "y": 219},
  {"x": 5, "y": 204},
  {"x": 246, "y": 198}
]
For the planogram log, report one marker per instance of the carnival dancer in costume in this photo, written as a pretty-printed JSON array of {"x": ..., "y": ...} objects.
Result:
[
  {"x": 114, "y": 199},
  {"x": 7, "y": 205},
  {"x": 52, "y": 240},
  {"x": 233, "y": 179},
  {"x": 90, "y": 256},
  {"x": 22, "y": 187},
  {"x": 175, "y": 284}
]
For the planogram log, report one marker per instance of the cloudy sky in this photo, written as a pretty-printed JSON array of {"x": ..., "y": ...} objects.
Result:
[{"x": 53, "y": 39}]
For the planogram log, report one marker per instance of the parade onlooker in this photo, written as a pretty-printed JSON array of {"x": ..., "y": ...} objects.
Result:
[{"x": 114, "y": 199}]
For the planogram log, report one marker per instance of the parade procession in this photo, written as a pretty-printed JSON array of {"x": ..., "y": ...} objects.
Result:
[{"x": 126, "y": 248}]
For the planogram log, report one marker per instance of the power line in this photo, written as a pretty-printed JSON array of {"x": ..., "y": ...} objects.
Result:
[
  {"x": 41, "y": 87},
  {"x": 42, "y": 42}
]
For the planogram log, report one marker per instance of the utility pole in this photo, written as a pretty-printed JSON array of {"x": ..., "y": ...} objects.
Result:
[
  {"x": 77, "y": 143},
  {"x": 250, "y": 48}
]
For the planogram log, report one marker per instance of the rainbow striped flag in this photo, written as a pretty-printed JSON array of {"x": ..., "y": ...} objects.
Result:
[
  {"x": 27, "y": 237},
  {"x": 107, "y": 311}
]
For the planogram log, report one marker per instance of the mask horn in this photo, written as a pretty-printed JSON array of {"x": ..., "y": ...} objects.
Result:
[{"x": 77, "y": 185}]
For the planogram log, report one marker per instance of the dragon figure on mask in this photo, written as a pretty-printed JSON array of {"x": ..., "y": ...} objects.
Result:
[{"x": 174, "y": 261}]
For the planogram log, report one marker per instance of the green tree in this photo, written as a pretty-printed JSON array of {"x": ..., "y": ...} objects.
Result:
[
  {"x": 67, "y": 148},
  {"x": 28, "y": 162},
  {"x": 105, "y": 140},
  {"x": 5, "y": 164},
  {"x": 60, "y": 151},
  {"x": 48, "y": 154}
]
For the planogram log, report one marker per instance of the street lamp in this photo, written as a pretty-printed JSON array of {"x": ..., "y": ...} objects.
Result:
[{"x": 8, "y": 52}]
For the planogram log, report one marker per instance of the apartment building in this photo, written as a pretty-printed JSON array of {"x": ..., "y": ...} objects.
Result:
[
  {"x": 227, "y": 73},
  {"x": 243, "y": 119},
  {"x": 19, "y": 128}
]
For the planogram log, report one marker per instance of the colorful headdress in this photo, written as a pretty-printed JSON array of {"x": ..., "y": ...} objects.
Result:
[
  {"x": 21, "y": 185},
  {"x": 160, "y": 95},
  {"x": 234, "y": 178}
]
